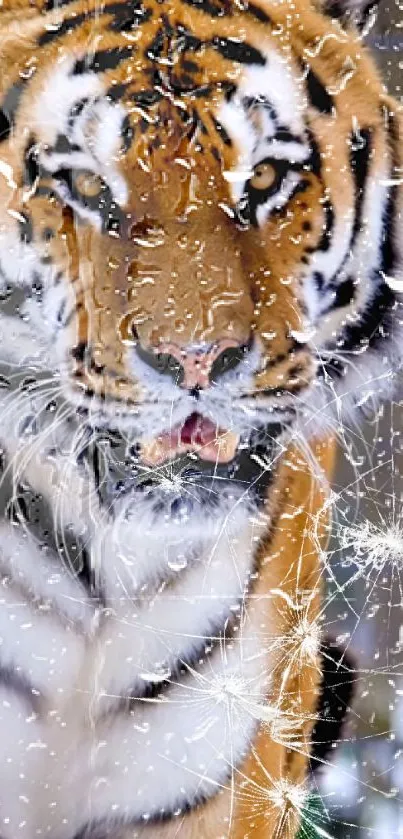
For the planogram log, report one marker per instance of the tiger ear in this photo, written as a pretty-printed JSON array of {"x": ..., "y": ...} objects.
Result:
[{"x": 361, "y": 14}]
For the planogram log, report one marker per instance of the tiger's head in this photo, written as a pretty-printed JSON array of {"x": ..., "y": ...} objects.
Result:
[{"x": 201, "y": 209}]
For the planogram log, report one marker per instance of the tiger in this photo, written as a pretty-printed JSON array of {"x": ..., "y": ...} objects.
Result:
[{"x": 201, "y": 279}]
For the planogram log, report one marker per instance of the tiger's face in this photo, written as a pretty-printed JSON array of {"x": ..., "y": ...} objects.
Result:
[{"x": 199, "y": 206}]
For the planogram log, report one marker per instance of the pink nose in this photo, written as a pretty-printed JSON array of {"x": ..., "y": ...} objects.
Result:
[
  {"x": 196, "y": 369},
  {"x": 200, "y": 369}
]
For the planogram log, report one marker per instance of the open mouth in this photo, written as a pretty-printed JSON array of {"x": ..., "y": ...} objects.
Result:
[
  {"x": 197, "y": 434},
  {"x": 196, "y": 461}
]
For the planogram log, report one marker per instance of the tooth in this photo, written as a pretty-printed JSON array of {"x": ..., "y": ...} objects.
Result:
[
  {"x": 227, "y": 445},
  {"x": 223, "y": 448},
  {"x": 154, "y": 451}
]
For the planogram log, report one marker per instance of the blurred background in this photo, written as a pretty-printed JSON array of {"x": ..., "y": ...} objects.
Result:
[
  {"x": 362, "y": 788},
  {"x": 362, "y": 791}
]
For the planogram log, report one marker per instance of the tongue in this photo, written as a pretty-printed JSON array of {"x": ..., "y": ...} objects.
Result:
[
  {"x": 198, "y": 430},
  {"x": 197, "y": 434}
]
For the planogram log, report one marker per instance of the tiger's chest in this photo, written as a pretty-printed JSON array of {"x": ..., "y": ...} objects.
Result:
[{"x": 136, "y": 707}]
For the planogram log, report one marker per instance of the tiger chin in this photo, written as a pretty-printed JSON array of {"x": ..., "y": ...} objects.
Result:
[{"x": 200, "y": 258}]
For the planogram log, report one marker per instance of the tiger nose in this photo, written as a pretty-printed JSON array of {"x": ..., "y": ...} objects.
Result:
[{"x": 195, "y": 369}]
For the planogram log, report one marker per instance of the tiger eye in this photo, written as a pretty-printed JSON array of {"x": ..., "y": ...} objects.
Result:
[
  {"x": 264, "y": 176},
  {"x": 89, "y": 185}
]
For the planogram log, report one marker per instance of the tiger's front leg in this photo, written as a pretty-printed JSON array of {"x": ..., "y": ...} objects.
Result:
[
  {"x": 265, "y": 793},
  {"x": 272, "y": 786}
]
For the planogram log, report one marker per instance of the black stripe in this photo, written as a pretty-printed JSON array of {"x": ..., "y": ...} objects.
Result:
[
  {"x": 328, "y": 226},
  {"x": 9, "y": 107},
  {"x": 126, "y": 133},
  {"x": 64, "y": 146},
  {"x": 111, "y": 827},
  {"x": 360, "y": 154},
  {"x": 261, "y": 102},
  {"x": 65, "y": 176},
  {"x": 315, "y": 159},
  {"x": 5, "y": 126},
  {"x": 197, "y": 124},
  {"x": 146, "y": 98},
  {"x": 32, "y": 511},
  {"x": 371, "y": 329},
  {"x": 283, "y": 135},
  {"x": 63, "y": 28},
  {"x": 278, "y": 391},
  {"x": 258, "y": 13},
  {"x": 207, "y": 89},
  {"x": 221, "y": 131},
  {"x": 343, "y": 294},
  {"x": 375, "y": 322},
  {"x": 155, "y": 50},
  {"x": 76, "y": 110},
  {"x": 319, "y": 280},
  {"x": 389, "y": 255},
  {"x": 117, "y": 91},
  {"x": 102, "y": 61},
  {"x": 278, "y": 359},
  {"x": 183, "y": 667},
  {"x": 31, "y": 166},
  {"x": 242, "y": 53},
  {"x": 318, "y": 95},
  {"x": 25, "y": 228},
  {"x": 47, "y": 191},
  {"x": 333, "y": 368},
  {"x": 337, "y": 690},
  {"x": 51, "y": 5},
  {"x": 221, "y": 8},
  {"x": 13, "y": 681},
  {"x": 80, "y": 351},
  {"x": 126, "y": 16}
]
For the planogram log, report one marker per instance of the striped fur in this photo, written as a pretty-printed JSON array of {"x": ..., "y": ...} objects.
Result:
[{"x": 160, "y": 640}]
